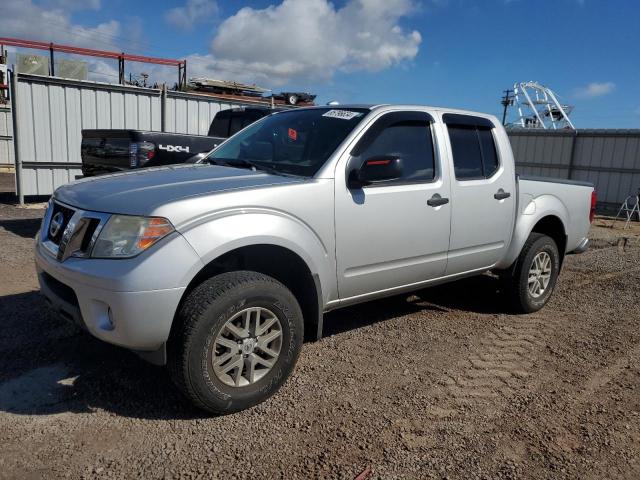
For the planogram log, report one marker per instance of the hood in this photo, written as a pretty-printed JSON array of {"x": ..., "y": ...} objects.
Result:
[{"x": 140, "y": 192}]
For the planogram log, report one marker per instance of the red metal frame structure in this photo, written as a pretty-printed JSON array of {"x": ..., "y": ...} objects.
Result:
[{"x": 120, "y": 56}]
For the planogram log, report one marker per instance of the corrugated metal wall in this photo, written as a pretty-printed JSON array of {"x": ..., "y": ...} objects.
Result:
[
  {"x": 52, "y": 113},
  {"x": 610, "y": 159},
  {"x": 6, "y": 135}
]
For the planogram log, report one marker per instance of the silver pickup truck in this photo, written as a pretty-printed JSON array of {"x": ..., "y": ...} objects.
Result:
[{"x": 221, "y": 269}]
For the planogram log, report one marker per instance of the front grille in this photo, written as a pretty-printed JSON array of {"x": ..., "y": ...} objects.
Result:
[
  {"x": 67, "y": 213},
  {"x": 70, "y": 232},
  {"x": 88, "y": 234}
]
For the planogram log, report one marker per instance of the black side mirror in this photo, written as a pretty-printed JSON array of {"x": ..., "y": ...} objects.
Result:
[{"x": 378, "y": 169}]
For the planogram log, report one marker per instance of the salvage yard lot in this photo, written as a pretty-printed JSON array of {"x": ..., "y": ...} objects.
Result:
[{"x": 443, "y": 383}]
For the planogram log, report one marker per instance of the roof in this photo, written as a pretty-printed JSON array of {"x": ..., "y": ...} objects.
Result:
[
  {"x": 608, "y": 132},
  {"x": 375, "y": 106}
]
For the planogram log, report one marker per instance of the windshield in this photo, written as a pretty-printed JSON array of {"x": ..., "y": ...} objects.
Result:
[{"x": 296, "y": 142}]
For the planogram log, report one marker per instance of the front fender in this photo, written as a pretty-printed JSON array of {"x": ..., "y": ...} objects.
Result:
[
  {"x": 225, "y": 231},
  {"x": 531, "y": 211}
]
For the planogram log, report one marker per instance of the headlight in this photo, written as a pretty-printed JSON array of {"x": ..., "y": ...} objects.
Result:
[{"x": 125, "y": 236}]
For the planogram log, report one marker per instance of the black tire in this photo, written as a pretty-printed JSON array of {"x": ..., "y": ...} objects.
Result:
[
  {"x": 292, "y": 99},
  {"x": 516, "y": 279},
  {"x": 203, "y": 316}
]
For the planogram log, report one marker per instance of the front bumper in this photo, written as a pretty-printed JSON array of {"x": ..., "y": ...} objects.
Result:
[{"x": 108, "y": 298}]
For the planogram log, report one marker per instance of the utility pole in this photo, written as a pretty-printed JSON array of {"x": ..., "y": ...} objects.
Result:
[{"x": 507, "y": 101}]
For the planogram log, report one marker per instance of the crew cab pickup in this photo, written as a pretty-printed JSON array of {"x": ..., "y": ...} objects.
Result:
[
  {"x": 108, "y": 151},
  {"x": 220, "y": 269}
]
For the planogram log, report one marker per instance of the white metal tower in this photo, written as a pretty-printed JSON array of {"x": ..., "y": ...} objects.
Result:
[{"x": 538, "y": 107}]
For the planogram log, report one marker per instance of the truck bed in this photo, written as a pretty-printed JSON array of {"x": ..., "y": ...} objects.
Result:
[{"x": 573, "y": 195}]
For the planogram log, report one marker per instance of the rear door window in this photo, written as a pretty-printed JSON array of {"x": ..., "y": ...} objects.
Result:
[
  {"x": 467, "y": 157},
  {"x": 474, "y": 151},
  {"x": 489, "y": 155}
]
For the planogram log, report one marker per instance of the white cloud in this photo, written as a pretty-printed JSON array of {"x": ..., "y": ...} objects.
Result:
[
  {"x": 312, "y": 40},
  {"x": 101, "y": 71},
  {"x": 595, "y": 89},
  {"x": 24, "y": 19},
  {"x": 295, "y": 41},
  {"x": 27, "y": 20},
  {"x": 73, "y": 4},
  {"x": 193, "y": 12}
]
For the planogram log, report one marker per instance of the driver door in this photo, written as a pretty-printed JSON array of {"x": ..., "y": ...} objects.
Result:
[{"x": 387, "y": 234}]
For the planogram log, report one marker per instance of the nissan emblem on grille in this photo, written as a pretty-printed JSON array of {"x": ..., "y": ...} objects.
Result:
[{"x": 56, "y": 224}]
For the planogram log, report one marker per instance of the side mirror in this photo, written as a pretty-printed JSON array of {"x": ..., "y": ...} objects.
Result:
[{"x": 378, "y": 169}]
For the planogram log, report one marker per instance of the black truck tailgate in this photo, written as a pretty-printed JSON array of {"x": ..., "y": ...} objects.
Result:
[{"x": 106, "y": 151}]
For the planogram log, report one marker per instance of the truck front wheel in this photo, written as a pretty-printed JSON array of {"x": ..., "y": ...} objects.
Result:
[
  {"x": 238, "y": 338},
  {"x": 529, "y": 283}
]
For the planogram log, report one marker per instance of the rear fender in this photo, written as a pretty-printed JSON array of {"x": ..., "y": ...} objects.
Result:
[{"x": 530, "y": 213}]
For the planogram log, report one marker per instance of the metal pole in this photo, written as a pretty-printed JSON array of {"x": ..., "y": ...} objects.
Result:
[
  {"x": 572, "y": 158},
  {"x": 52, "y": 69},
  {"x": 182, "y": 80},
  {"x": 555, "y": 100},
  {"x": 121, "y": 69},
  {"x": 163, "y": 109},
  {"x": 533, "y": 107},
  {"x": 16, "y": 135}
]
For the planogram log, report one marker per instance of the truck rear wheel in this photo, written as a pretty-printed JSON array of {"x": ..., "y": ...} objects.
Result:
[
  {"x": 530, "y": 282},
  {"x": 238, "y": 338}
]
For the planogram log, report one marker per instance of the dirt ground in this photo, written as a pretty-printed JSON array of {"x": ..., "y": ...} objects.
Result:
[{"x": 440, "y": 384}]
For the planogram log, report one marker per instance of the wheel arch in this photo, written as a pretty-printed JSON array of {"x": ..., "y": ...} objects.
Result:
[
  {"x": 546, "y": 215},
  {"x": 553, "y": 227},
  {"x": 276, "y": 261}
]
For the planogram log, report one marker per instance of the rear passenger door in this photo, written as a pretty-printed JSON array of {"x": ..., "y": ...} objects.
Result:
[{"x": 483, "y": 194}]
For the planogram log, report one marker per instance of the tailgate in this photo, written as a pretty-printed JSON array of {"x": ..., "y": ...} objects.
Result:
[{"x": 105, "y": 151}]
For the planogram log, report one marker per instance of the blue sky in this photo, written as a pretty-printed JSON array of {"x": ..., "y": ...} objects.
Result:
[{"x": 458, "y": 53}]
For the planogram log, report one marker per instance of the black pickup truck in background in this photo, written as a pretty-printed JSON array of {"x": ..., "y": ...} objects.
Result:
[{"x": 108, "y": 151}]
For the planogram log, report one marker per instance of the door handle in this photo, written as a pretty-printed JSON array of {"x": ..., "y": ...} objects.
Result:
[
  {"x": 436, "y": 200},
  {"x": 501, "y": 195}
]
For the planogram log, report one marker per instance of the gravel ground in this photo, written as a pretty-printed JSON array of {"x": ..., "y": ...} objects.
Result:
[{"x": 440, "y": 384}]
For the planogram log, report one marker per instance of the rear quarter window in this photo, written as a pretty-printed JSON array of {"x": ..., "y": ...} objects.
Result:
[{"x": 220, "y": 124}]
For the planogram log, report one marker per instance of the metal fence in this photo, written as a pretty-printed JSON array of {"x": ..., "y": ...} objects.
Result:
[
  {"x": 6, "y": 137},
  {"x": 50, "y": 114},
  {"x": 610, "y": 159}
]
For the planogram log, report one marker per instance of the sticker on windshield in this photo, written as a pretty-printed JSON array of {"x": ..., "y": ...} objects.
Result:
[
  {"x": 343, "y": 114},
  {"x": 293, "y": 135}
]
